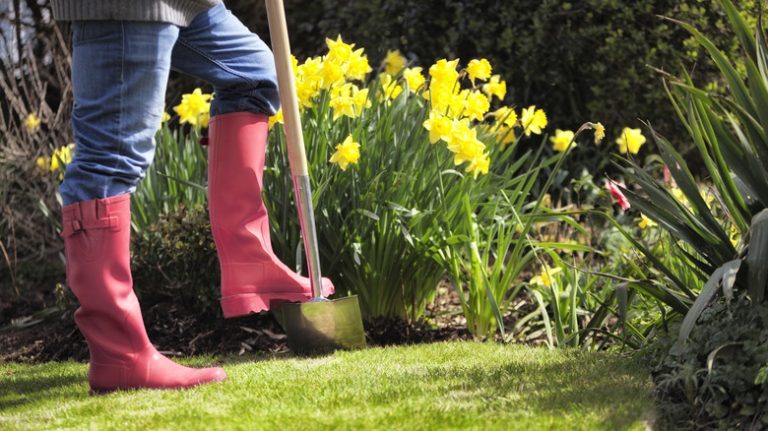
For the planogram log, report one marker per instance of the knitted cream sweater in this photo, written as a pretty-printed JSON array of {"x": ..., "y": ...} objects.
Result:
[{"x": 179, "y": 12}]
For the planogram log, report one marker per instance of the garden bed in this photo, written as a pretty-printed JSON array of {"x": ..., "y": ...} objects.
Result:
[{"x": 178, "y": 331}]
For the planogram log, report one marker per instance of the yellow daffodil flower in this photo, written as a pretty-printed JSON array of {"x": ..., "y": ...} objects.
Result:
[
  {"x": 277, "y": 118},
  {"x": 165, "y": 117},
  {"x": 390, "y": 88},
  {"x": 62, "y": 157},
  {"x": 477, "y": 106},
  {"x": 357, "y": 66},
  {"x": 645, "y": 222},
  {"x": 43, "y": 163},
  {"x": 457, "y": 104},
  {"x": 414, "y": 78},
  {"x": 679, "y": 195},
  {"x": 338, "y": 51},
  {"x": 507, "y": 115},
  {"x": 444, "y": 72},
  {"x": 479, "y": 69},
  {"x": 394, "y": 62},
  {"x": 360, "y": 99},
  {"x": 32, "y": 122},
  {"x": 545, "y": 277},
  {"x": 734, "y": 235},
  {"x": 562, "y": 140},
  {"x": 348, "y": 152},
  {"x": 194, "y": 108},
  {"x": 630, "y": 141},
  {"x": 439, "y": 127},
  {"x": 479, "y": 165},
  {"x": 495, "y": 87},
  {"x": 507, "y": 135},
  {"x": 533, "y": 120},
  {"x": 463, "y": 142},
  {"x": 332, "y": 75},
  {"x": 599, "y": 133}
]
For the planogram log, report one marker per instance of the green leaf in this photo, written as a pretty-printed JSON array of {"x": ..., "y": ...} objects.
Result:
[
  {"x": 709, "y": 291},
  {"x": 757, "y": 256}
]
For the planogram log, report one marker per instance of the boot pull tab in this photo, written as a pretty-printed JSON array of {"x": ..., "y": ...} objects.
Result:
[{"x": 71, "y": 228}]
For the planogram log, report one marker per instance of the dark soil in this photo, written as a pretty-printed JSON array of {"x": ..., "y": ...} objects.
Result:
[{"x": 177, "y": 331}]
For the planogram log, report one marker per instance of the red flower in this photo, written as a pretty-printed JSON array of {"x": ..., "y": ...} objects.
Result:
[{"x": 615, "y": 189}]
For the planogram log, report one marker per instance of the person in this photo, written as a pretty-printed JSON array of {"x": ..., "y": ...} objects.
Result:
[{"x": 121, "y": 58}]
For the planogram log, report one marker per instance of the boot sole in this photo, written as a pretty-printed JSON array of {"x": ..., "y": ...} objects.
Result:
[{"x": 251, "y": 303}]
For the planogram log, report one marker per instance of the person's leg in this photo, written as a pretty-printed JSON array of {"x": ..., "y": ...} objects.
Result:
[
  {"x": 218, "y": 48},
  {"x": 119, "y": 74}
]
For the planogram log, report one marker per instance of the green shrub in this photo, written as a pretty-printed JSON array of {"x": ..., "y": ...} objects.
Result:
[
  {"x": 176, "y": 259},
  {"x": 718, "y": 379}
]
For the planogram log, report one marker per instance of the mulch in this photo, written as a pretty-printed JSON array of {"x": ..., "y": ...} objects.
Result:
[{"x": 177, "y": 331}]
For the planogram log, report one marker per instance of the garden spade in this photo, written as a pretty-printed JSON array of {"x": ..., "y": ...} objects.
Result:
[{"x": 320, "y": 325}]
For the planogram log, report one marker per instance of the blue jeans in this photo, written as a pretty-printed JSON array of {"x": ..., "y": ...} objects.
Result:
[{"x": 119, "y": 76}]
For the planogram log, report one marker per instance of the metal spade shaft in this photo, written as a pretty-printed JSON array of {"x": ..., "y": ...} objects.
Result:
[{"x": 294, "y": 137}]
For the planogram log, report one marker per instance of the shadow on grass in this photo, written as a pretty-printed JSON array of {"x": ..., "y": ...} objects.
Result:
[
  {"x": 38, "y": 383},
  {"x": 606, "y": 388}
]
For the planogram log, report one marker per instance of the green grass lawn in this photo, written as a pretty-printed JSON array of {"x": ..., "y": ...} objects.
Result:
[{"x": 458, "y": 385}]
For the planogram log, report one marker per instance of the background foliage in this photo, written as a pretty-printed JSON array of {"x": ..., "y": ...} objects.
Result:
[{"x": 582, "y": 59}]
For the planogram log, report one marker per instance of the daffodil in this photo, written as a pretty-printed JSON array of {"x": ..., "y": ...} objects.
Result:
[
  {"x": 599, "y": 132},
  {"x": 165, "y": 117},
  {"x": 630, "y": 141},
  {"x": 342, "y": 102},
  {"x": 495, "y": 87},
  {"x": 347, "y": 152},
  {"x": 477, "y": 106},
  {"x": 507, "y": 135},
  {"x": 533, "y": 120},
  {"x": 357, "y": 66},
  {"x": 360, "y": 99},
  {"x": 277, "y": 118},
  {"x": 444, "y": 72},
  {"x": 413, "y": 78},
  {"x": 332, "y": 74},
  {"x": 338, "y": 51},
  {"x": 479, "y": 69},
  {"x": 545, "y": 277},
  {"x": 62, "y": 157},
  {"x": 457, "y": 104},
  {"x": 308, "y": 81},
  {"x": 645, "y": 222},
  {"x": 43, "y": 163},
  {"x": 709, "y": 198},
  {"x": 463, "y": 142},
  {"x": 734, "y": 235},
  {"x": 194, "y": 108},
  {"x": 562, "y": 140},
  {"x": 679, "y": 195},
  {"x": 439, "y": 127},
  {"x": 479, "y": 165},
  {"x": 394, "y": 62},
  {"x": 306, "y": 90},
  {"x": 389, "y": 87},
  {"x": 32, "y": 122},
  {"x": 506, "y": 115}
]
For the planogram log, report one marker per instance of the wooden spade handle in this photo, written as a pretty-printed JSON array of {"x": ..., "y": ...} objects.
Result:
[{"x": 278, "y": 31}]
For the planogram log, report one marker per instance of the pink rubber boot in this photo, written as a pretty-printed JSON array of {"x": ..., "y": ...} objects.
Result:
[
  {"x": 97, "y": 242},
  {"x": 252, "y": 276}
]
